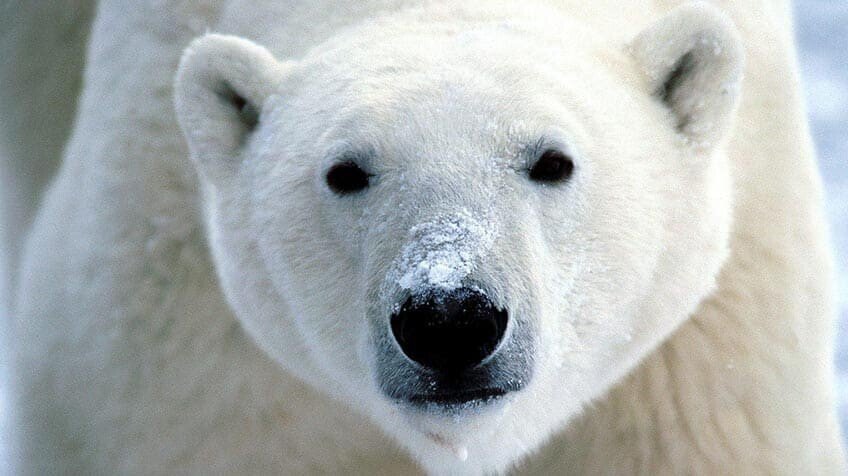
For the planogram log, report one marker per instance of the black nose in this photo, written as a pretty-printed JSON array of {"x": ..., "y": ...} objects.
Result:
[{"x": 449, "y": 331}]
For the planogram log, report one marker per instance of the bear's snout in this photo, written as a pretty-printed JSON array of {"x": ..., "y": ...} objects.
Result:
[
  {"x": 447, "y": 347},
  {"x": 449, "y": 331}
]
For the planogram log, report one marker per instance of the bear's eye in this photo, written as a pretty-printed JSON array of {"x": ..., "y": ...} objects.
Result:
[
  {"x": 552, "y": 166},
  {"x": 346, "y": 177}
]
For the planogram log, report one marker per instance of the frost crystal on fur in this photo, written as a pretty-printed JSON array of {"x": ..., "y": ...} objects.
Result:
[{"x": 442, "y": 252}]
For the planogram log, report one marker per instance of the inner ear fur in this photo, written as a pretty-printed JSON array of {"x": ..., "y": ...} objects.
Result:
[
  {"x": 693, "y": 59},
  {"x": 248, "y": 112}
]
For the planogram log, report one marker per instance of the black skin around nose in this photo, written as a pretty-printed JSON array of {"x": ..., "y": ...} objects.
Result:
[{"x": 449, "y": 331}]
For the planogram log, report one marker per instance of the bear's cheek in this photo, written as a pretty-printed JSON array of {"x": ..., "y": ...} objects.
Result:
[{"x": 310, "y": 268}]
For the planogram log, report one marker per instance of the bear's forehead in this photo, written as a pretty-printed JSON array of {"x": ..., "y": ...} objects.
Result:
[
  {"x": 398, "y": 81},
  {"x": 492, "y": 43},
  {"x": 408, "y": 95},
  {"x": 445, "y": 125}
]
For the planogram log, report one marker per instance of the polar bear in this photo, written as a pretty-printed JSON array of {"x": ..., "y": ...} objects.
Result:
[{"x": 393, "y": 237}]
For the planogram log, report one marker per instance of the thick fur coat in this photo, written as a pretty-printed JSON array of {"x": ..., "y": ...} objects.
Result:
[{"x": 193, "y": 298}]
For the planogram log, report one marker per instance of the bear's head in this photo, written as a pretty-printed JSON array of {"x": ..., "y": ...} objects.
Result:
[{"x": 466, "y": 226}]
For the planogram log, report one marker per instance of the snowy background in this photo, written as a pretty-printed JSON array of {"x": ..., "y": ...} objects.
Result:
[{"x": 822, "y": 28}]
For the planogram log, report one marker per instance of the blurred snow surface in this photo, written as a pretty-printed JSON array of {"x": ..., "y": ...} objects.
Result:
[
  {"x": 822, "y": 39},
  {"x": 5, "y": 420}
]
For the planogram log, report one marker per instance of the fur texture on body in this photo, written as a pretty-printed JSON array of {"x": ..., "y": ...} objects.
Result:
[{"x": 195, "y": 298}]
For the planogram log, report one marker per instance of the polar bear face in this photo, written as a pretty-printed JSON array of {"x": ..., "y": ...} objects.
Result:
[{"x": 468, "y": 229}]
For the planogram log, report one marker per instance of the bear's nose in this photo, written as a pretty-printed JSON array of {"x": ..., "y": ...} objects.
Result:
[{"x": 449, "y": 331}]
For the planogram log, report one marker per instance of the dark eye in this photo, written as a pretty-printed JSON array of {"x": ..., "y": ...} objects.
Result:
[
  {"x": 552, "y": 166},
  {"x": 346, "y": 177}
]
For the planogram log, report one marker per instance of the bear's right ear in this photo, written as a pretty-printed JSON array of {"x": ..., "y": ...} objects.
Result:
[{"x": 220, "y": 87}]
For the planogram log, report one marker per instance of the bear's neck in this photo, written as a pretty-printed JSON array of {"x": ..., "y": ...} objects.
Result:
[{"x": 743, "y": 382}]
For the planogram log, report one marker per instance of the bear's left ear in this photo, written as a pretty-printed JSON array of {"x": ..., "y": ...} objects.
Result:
[
  {"x": 693, "y": 60},
  {"x": 221, "y": 85}
]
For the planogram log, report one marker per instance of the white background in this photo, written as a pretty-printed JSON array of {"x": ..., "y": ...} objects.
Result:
[{"x": 822, "y": 30}]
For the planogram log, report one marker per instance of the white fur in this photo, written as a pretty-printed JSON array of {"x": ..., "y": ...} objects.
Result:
[{"x": 217, "y": 314}]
